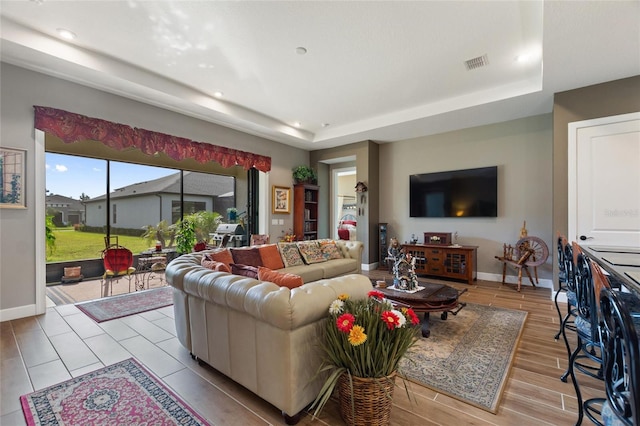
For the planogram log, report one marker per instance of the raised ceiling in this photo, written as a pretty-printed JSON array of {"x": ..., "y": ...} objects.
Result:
[{"x": 383, "y": 71}]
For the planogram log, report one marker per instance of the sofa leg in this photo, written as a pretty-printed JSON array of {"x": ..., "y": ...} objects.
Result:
[
  {"x": 192, "y": 355},
  {"x": 291, "y": 420}
]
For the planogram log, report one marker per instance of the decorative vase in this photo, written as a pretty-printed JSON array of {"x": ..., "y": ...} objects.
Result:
[{"x": 369, "y": 402}]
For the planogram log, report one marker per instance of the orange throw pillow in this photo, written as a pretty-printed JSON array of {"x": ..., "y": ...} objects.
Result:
[
  {"x": 207, "y": 262},
  {"x": 271, "y": 256},
  {"x": 283, "y": 280},
  {"x": 223, "y": 256}
]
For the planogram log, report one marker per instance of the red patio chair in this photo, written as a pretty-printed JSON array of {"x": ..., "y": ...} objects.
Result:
[{"x": 118, "y": 263}]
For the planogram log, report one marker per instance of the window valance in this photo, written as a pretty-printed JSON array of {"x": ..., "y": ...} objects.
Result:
[{"x": 71, "y": 127}]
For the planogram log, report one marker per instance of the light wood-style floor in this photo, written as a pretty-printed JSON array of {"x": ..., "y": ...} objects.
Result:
[{"x": 40, "y": 351}]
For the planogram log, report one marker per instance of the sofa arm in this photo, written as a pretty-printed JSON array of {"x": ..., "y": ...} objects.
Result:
[{"x": 352, "y": 250}]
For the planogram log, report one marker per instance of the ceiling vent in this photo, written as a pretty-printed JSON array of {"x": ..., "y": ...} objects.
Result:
[{"x": 475, "y": 63}]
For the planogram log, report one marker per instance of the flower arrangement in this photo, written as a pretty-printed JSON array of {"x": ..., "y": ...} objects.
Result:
[
  {"x": 288, "y": 236},
  {"x": 364, "y": 338}
]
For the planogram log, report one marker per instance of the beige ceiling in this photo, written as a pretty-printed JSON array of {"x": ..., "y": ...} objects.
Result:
[{"x": 379, "y": 70}]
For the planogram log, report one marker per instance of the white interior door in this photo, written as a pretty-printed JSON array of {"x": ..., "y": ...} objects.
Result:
[{"x": 604, "y": 181}]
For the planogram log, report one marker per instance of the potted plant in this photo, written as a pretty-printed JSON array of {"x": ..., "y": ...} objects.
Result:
[
  {"x": 232, "y": 214},
  {"x": 363, "y": 342},
  {"x": 185, "y": 236},
  {"x": 305, "y": 174}
]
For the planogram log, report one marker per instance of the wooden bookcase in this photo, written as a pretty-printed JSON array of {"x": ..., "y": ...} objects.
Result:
[
  {"x": 459, "y": 263},
  {"x": 305, "y": 211}
]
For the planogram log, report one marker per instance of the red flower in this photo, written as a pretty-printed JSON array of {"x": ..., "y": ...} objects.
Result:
[
  {"x": 412, "y": 315},
  {"x": 376, "y": 294},
  {"x": 390, "y": 319},
  {"x": 345, "y": 322}
]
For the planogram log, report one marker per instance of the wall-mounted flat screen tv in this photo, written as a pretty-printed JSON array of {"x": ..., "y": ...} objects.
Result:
[{"x": 456, "y": 193}]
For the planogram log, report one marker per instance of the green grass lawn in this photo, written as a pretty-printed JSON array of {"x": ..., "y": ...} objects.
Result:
[{"x": 74, "y": 245}]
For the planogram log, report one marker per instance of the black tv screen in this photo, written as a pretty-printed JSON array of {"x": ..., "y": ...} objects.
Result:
[{"x": 457, "y": 193}]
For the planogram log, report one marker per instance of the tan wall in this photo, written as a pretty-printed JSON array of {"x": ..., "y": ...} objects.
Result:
[
  {"x": 522, "y": 150},
  {"x": 21, "y": 90},
  {"x": 600, "y": 100}
]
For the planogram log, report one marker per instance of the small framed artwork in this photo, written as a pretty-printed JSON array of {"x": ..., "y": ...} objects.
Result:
[
  {"x": 281, "y": 199},
  {"x": 12, "y": 169}
]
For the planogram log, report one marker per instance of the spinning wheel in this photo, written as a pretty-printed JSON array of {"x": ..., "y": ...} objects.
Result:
[
  {"x": 539, "y": 252},
  {"x": 527, "y": 252}
]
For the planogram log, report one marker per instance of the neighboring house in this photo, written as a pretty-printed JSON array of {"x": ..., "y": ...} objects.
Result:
[
  {"x": 148, "y": 203},
  {"x": 70, "y": 211}
]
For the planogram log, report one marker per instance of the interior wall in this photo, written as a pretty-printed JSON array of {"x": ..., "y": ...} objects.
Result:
[
  {"x": 367, "y": 171},
  {"x": 522, "y": 150},
  {"x": 21, "y": 90}
]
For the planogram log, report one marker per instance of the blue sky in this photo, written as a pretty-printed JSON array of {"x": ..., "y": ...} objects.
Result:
[{"x": 71, "y": 176}]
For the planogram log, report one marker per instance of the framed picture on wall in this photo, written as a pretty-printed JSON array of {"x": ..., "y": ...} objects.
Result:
[
  {"x": 281, "y": 199},
  {"x": 12, "y": 169}
]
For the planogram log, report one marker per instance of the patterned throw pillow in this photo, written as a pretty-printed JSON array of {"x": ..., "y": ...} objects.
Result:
[
  {"x": 330, "y": 250},
  {"x": 246, "y": 256},
  {"x": 290, "y": 254},
  {"x": 310, "y": 251}
]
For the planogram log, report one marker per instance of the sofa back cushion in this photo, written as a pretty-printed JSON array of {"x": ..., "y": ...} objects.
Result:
[
  {"x": 246, "y": 256},
  {"x": 290, "y": 254},
  {"x": 310, "y": 251},
  {"x": 245, "y": 270},
  {"x": 222, "y": 255},
  {"x": 281, "y": 279},
  {"x": 270, "y": 256}
]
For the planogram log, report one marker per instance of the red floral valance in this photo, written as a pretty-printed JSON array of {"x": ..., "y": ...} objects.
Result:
[{"x": 71, "y": 127}]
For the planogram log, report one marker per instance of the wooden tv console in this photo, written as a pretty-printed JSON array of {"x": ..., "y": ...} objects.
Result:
[{"x": 458, "y": 262}]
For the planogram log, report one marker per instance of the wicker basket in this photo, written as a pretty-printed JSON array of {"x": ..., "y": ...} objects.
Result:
[{"x": 372, "y": 400}]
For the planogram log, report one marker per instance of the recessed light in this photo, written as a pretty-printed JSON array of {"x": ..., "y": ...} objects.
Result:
[
  {"x": 326, "y": 124},
  {"x": 66, "y": 34},
  {"x": 218, "y": 94},
  {"x": 297, "y": 124},
  {"x": 301, "y": 50}
]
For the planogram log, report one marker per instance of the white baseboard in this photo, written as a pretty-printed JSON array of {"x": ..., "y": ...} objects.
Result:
[
  {"x": 18, "y": 312},
  {"x": 369, "y": 266}
]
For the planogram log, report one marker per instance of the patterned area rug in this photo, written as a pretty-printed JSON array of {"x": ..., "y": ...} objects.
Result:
[
  {"x": 121, "y": 394},
  {"x": 468, "y": 356},
  {"x": 124, "y": 305}
]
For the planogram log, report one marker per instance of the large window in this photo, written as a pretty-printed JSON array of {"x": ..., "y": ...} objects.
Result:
[{"x": 136, "y": 198}]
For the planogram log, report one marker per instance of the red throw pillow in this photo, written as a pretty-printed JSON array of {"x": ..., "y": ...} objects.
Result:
[
  {"x": 223, "y": 256},
  {"x": 244, "y": 270},
  {"x": 283, "y": 280},
  {"x": 207, "y": 262},
  {"x": 271, "y": 256},
  {"x": 246, "y": 256}
]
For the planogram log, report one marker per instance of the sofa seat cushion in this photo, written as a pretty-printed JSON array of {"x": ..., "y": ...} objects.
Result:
[
  {"x": 309, "y": 273},
  {"x": 338, "y": 267},
  {"x": 279, "y": 278}
]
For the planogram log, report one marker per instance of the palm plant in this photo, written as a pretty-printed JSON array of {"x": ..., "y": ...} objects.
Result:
[{"x": 159, "y": 232}]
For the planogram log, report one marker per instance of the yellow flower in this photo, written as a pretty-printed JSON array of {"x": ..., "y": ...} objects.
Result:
[
  {"x": 357, "y": 336},
  {"x": 343, "y": 297}
]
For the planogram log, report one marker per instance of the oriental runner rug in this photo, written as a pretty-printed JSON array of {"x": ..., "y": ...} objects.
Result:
[
  {"x": 124, "y": 393},
  {"x": 113, "y": 307},
  {"x": 467, "y": 356}
]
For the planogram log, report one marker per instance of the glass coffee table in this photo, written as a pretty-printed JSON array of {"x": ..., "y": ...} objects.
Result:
[{"x": 432, "y": 298}]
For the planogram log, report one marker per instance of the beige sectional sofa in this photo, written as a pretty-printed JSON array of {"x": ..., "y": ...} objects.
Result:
[{"x": 263, "y": 336}]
